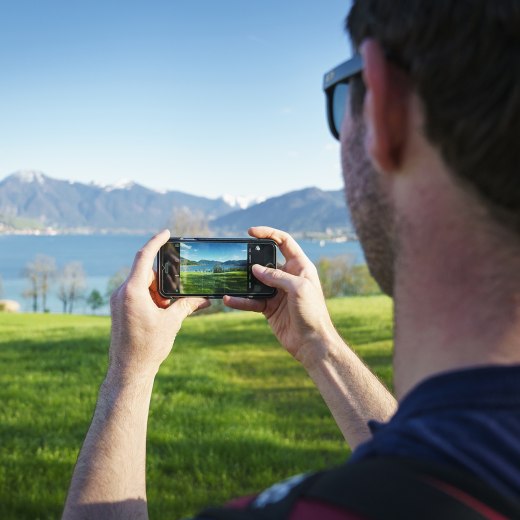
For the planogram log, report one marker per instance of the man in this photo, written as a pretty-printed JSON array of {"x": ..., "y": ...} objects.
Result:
[{"x": 431, "y": 167}]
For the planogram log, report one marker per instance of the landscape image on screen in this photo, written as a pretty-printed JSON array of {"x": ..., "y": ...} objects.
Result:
[{"x": 213, "y": 268}]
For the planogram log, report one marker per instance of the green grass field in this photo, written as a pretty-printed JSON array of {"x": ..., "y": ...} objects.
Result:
[
  {"x": 198, "y": 282},
  {"x": 231, "y": 412}
]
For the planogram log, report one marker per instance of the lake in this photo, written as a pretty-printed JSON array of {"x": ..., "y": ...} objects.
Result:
[{"x": 102, "y": 256}]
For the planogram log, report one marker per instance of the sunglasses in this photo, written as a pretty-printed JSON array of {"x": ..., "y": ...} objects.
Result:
[{"x": 336, "y": 87}]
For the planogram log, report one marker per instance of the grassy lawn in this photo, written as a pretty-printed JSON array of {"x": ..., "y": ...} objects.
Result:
[
  {"x": 198, "y": 282},
  {"x": 231, "y": 412}
]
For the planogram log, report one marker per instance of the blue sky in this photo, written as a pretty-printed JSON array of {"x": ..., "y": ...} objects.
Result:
[
  {"x": 214, "y": 251},
  {"x": 202, "y": 96}
]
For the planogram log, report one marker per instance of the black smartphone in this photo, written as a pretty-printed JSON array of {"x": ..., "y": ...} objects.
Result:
[{"x": 213, "y": 267}]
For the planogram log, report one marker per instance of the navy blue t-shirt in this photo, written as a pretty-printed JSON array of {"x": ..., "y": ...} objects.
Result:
[{"x": 469, "y": 419}]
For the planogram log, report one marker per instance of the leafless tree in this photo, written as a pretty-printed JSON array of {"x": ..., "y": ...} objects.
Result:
[
  {"x": 187, "y": 223},
  {"x": 31, "y": 291},
  {"x": 72, "y": 284},
  {"x": 40, "y": 273},
  {"x": 47, "y": 271}
]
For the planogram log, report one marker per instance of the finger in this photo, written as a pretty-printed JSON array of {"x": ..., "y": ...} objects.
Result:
[
  {"x": 145, "y": 257},
  {"x": 204, "y": 305},
  {"x": 183, "y": 307},
  {"x": 288, "y": 246},
  {"x": 244, "y": 304},
  {"x": 159, "y": 300},
  {"x": 277, "y": 278}
]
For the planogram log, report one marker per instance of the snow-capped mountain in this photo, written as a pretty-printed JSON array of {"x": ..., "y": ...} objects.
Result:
[
  {"x": 241, "y": 202},
  {"x": 307, "y": 210},
  {"x": 31, "y": 198},
  {"x": 28, "y": 176},
  {"x": 37, "y": 198}
]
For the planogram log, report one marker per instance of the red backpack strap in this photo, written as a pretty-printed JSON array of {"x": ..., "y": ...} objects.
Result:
[
  {"x": 274, "y": 503},
  {"x": 388, "y": 488}
]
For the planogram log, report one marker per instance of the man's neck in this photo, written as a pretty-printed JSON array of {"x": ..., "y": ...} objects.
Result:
[
  {"x": 457, "y": 296},
  {"x": 441, "y": 332}
]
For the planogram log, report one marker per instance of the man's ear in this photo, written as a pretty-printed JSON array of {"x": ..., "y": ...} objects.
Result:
[{"x": 386, "y": 107}]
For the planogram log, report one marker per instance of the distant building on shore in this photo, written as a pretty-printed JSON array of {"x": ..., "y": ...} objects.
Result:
[{"x": 9, "y": 306}]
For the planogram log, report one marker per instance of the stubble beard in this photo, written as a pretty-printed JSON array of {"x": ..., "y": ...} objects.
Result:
[{"x": 371, "y": 213}]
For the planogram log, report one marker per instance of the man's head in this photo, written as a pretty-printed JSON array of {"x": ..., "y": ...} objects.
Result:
[{"x": 461, "y": 61}]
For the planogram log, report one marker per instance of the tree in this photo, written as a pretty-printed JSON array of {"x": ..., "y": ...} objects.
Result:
[
  {"x": 32, "y": 291},
  {"x": 117, "y": 280},
  {"x": 187, "y": 223},
  {"x": 40, "y": 273},
  {"x": 72, "y": 284},
  {"x": 217, "y": 268},
  {"x": 363, "y": 281},
  {"x": 339, "y": 276},
  {"x": 95, "y": 300},
  {"x": 47, "y": 271},
  {"x": 336, "y": 275}
]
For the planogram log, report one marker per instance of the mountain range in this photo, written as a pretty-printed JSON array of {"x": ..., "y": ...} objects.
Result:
[
  {"x": 307, "y": 210},
  {"x": 212, "y": 263},
  {"x": 32, "y": 200}
]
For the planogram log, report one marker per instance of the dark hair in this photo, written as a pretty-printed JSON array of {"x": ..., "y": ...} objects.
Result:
[{"x": 463, "y": 59}]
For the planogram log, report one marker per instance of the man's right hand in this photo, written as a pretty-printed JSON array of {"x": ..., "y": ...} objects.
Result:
[
  {"x": 297, "y": 314},
  {"x": 301, "y": 322}
]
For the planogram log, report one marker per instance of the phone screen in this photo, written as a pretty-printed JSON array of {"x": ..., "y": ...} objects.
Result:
[{"x": 214, "y": 267}]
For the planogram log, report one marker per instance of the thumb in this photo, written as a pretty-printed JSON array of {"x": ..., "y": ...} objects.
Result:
[
  {"x": 183, "y": 307},
  {"x": 276, "y": 278}
]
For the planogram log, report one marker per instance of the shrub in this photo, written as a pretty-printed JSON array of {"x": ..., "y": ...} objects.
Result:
[{"x": 339, "y": 276}]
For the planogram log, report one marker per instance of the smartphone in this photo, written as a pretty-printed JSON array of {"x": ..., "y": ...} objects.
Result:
[{"x": 213, "y": 267}]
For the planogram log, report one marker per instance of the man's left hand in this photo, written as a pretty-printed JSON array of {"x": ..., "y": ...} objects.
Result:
[{"x": 144, "y": 324}]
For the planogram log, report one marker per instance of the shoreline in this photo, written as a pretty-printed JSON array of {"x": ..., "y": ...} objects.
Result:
[{"x": 50, "y": 232}]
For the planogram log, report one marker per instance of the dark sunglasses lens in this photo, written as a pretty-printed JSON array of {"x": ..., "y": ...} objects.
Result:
[{"x": 339, "y": 102}]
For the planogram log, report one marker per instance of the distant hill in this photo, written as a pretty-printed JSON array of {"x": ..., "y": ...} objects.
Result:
[
  {"x": 31, "y": 199},
  {"x": 308, "y": 210}
]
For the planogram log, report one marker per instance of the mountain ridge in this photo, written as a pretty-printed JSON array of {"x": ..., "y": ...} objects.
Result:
[
  {"x": 31, "y": 199},
  {"x": 308, "y": 209}
]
